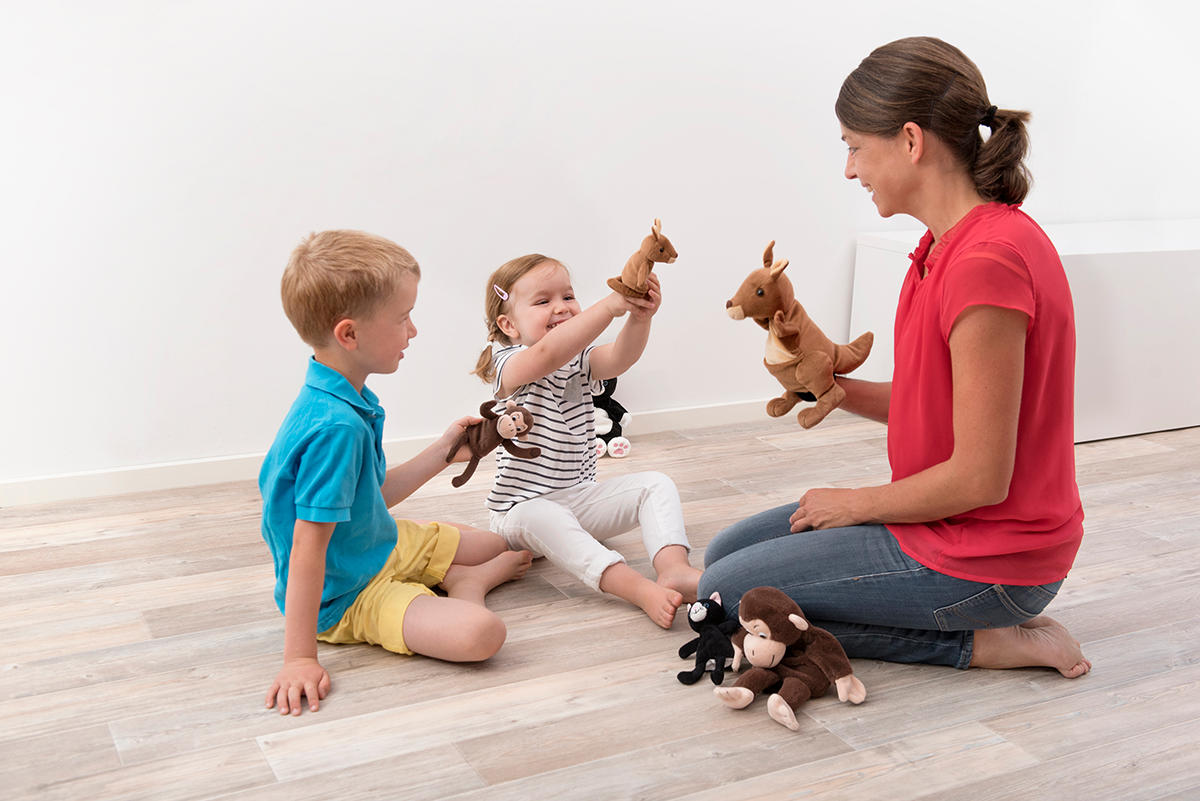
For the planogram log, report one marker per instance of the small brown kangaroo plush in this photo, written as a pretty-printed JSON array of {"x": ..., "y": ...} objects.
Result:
[
  {"x": 635, "y": 277},
  {"x": 799, "y": 354},
  {"x": 495, "y": 431}
]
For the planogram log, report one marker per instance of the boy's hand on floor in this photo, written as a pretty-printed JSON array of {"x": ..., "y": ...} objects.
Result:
[{"x": 299, "y": 678}]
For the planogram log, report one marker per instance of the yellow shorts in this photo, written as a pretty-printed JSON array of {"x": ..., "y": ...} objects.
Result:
[{"x": 422, "y": 556}]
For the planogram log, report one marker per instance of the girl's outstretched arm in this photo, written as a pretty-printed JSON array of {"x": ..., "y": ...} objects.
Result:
[
  {"x": 612, "y": 360},
  {"x": 563, "y": 342}
]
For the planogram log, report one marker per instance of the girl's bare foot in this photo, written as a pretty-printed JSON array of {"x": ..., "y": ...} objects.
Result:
[
  {"x": 683, "y": 580},
  {"x": 676, "y": 573},
  {"x": 1039, "y": 642},
  {"x": 473, "y": 582},
  {"x": 658, "y": 602}
]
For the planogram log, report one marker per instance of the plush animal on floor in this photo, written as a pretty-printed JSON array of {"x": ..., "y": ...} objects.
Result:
[
  {"x": 784, "y": 647},
  {"x": 635, "y": 277},
  {"x": 799, "y": 354},
  {"x": 611, "y": 420},
  {"x": 707, "y": 619},
  {"x": 494, "y": 431}
]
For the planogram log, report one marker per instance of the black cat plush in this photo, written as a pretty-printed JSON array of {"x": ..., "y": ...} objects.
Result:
[{"x": 707, "y": 619}]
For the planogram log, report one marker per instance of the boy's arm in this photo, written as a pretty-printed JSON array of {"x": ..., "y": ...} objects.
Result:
[
  {"x": 406, "y": 478},
  {"x": 302, "y": 675},
  {"x": 613, "y": 359},
  {"x": 563, "y": 342}
]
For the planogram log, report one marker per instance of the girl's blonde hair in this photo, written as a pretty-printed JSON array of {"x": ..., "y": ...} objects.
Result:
[{"x": 496, "y": 303}]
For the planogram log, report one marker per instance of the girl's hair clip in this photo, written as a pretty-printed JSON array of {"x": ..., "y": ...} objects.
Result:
[{"x": 503, "y": 295}]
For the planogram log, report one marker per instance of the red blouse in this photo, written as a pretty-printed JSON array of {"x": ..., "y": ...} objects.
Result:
[{"x": 995, "y": 256}]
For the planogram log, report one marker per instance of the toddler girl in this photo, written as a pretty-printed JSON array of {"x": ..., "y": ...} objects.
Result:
[{"x": 541, "y": 353}]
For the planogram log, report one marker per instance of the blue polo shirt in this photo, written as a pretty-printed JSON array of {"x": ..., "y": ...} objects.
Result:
[{"x": 327, "y": 466}]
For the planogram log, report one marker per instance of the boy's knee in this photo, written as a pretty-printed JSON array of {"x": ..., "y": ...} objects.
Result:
[{"x": 483, "y": 637}]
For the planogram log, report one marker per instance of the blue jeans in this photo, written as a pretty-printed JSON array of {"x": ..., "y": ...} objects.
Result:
[{"x": 856, "y": 583}]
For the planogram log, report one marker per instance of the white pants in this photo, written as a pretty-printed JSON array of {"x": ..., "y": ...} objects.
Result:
[{"x": 566, "y": 525}]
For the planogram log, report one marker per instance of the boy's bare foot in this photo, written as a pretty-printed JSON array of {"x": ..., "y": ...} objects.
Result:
[
  {"x": 1039, "y": 642},
  {"x": 473, "y": 582},
  {"x": 658, "y": 602},
  {"x": 683, "y": 579}
]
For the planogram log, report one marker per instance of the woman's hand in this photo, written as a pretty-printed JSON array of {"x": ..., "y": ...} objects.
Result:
[{"x": 827, "y": 508}]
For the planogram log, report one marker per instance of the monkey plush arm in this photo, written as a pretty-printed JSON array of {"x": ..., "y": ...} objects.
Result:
[
  {"x": 738, "y": 638},
  {"x": 827, "y": 653},
  {"x": 518, "y": 451}
]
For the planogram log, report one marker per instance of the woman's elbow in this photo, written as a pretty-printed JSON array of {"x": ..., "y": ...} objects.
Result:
[{"x": 990, "y": 487}]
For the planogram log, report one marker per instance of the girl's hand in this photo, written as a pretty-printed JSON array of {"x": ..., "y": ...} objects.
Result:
[
  {"x": 452, "y": 434},
  {"x": 826, "y": 508},
  {"x": 644, "y": 309}
]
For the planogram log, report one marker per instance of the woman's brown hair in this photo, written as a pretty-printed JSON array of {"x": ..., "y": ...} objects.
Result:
[{"x": 933, "y": 84}]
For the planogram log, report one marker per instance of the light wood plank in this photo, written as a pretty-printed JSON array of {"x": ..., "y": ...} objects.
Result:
[{"x": 914, "y": 767}]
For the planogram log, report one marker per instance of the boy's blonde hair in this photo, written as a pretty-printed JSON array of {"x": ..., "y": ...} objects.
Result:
[
  {"x": 495, "y": 303},
  {"x": 339, "y": 275}
]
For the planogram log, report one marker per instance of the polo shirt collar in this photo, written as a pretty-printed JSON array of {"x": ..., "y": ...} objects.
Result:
[{"x": 326, "y": 379}]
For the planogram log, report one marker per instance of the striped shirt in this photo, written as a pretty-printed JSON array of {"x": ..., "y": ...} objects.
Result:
[{"x": 564, "y": 427}]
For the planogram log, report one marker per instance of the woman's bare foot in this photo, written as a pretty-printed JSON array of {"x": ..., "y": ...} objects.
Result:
[
  {"x": 658, "y": 602},
  {"x": 473, "y": 582},
  {"x": 1039, "y": 642}
]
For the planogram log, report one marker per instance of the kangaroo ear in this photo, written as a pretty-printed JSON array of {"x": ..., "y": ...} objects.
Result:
[
  {"x": 769, "y": 254},
  {"x": 657, "y": 229},
  {"x": 778, "y": 269}
]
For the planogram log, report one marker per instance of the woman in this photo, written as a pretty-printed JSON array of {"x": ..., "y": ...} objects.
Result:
[{"x": 952, "y": 562}]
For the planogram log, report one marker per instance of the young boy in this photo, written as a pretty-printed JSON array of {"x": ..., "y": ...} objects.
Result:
[{"x": 345, "y": 570}]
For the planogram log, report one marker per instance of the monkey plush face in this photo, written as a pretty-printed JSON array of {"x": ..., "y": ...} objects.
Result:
[
  {"x": 513, "y": 424},
  {"x": 772, "y": 622}
]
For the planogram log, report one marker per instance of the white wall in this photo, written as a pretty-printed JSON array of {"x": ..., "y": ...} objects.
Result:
[{"x": 158, "y": 161}]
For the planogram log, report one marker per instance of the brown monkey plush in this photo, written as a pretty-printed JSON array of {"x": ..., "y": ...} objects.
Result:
[
  {"x": 496, "y": 430},
  {"x": 799, "y": 354},
  {"x": 635, "y": 277},
  {"x": 783, "y": 647}
]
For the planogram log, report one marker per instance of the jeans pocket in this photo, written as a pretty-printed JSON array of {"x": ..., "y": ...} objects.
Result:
[{"x": 997, "y": 607}]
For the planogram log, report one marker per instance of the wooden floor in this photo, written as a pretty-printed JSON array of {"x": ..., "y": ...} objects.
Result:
[{"x": 138, "y": 637}]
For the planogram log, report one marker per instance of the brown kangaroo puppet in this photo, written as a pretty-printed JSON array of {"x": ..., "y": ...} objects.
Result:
[
  {"x": 799, "y": 354},
  {"x": 635, "y": 277}
]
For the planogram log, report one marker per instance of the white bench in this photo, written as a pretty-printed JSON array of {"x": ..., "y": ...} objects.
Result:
[{"x": 1136, "y": 287}]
